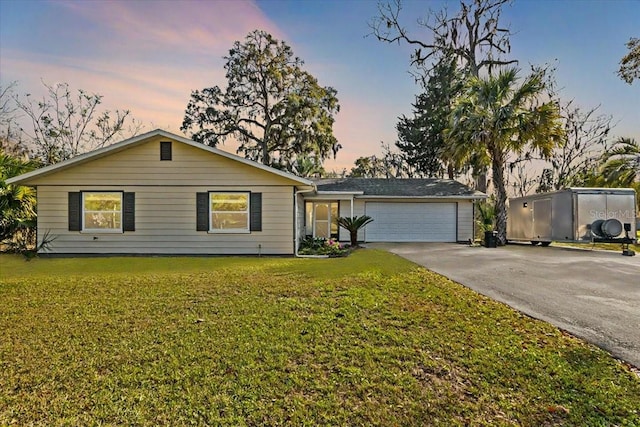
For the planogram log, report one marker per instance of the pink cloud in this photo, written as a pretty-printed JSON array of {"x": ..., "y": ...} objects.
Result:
[
  {"x": 163, "y": 26},
  {"x": 149, "y": 59}
]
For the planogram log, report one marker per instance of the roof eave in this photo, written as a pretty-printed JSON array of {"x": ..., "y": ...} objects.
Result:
[
  {"x": 341, "y": 193},
  {"x": 379, "y": 196}
]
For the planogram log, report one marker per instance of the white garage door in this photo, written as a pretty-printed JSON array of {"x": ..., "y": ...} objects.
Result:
[{"x": 411, "y": 222}]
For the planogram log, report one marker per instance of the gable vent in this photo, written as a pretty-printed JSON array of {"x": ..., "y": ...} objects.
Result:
[{"x": 165, "y": 150}]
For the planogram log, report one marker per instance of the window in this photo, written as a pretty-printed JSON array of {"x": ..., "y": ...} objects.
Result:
[
  {"x": 102, "y": 211},
  {"x": 229, "y": 212}
]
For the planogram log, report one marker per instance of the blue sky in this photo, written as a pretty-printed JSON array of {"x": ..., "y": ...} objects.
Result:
[{"x": 148, "y": 55}]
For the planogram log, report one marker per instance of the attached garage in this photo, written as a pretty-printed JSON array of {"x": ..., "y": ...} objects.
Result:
[
  {"x": 403, "y": 210},
  {"x": 411, "y": 222}
]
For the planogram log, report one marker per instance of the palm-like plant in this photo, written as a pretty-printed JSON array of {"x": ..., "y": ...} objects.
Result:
[
  {"x": 622, "y": 164},
  {"x": 486, "y": 215},
  {"x": 307, "y": 166},
  {"x": 352, "y": 225},
  {"x": 17, "y": 203},
  {"x": 494, "y": 118}
]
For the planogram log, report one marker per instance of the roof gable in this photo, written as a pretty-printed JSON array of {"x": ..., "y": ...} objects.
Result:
[{"x": 141, "y": 139}]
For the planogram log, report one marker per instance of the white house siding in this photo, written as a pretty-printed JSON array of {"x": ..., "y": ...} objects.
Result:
[
  {"x": 165, "y": 203},
  {"x": 465, "y": 220},
  {"x": 358, "y": 210}
]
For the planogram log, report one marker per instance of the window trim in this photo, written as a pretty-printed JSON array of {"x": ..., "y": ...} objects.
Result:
[
  {"x": 246, "y": 230},
  {"x": 83, "y": 229}
]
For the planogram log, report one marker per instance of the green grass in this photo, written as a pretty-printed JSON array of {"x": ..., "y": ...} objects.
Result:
[{"x": 370, "y": 339}]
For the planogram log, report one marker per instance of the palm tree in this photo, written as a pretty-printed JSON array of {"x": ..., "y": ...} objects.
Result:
[
  {"x": 621, "y": 166},
  {"x": 352, "y": 225},
  {"x": 307, "y": 167},
  {"x": 494, "y": 118},
  {"x": 17, "y": 203}
]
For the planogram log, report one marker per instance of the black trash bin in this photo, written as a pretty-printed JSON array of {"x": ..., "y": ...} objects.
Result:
[{"x": 490, "y": 239}]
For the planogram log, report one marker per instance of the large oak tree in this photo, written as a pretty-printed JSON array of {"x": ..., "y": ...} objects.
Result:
[{"x": 271, "y": 106}]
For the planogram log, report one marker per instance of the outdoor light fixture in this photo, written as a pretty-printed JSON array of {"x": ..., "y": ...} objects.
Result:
[{"x": 524, "y": 205}]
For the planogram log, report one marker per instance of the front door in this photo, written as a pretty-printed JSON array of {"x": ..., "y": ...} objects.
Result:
[{"x": 321, "y": 219}]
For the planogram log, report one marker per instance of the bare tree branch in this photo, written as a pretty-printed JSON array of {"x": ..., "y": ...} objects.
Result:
[
  {"x": 473, "y": 35},
  {"x": 64, "y": 125}
]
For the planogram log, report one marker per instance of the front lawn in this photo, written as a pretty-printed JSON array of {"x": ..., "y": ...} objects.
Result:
[{"x": 366, "y": 340}]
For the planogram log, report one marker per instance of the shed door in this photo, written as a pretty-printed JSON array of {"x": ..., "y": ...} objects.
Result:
[
  {"x": 411, "y": 222},
  {"x": 542, "y": 219}
]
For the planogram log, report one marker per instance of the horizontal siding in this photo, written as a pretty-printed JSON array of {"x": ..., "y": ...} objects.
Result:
[
  {"x": 166, "y": 223},
  {"x": 358, "y": 210},
  {"x": 141, "y": 165},
  {"x": 465, "y": 220}
]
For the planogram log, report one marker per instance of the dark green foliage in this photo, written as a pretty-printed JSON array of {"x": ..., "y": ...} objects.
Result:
[
  {"x": 618, "y": 167},
  {"x": 621, "y": 164},
  {"x": 473, "y": 36},
  {"x": 421, "y": 137},
  {"x": 369, "y": 167},
  {"x": 486, "y": 215},
  {"x": 496, "y": 117},
  {"x": 276, "y": 110},
  {"x": 318, "y": 246},
  {"x": 630, "y": 63},
  {"x": 17, "y": 203}
]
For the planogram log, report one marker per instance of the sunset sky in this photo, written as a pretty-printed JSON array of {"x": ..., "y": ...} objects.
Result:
[{"x": 147, "y": 56}]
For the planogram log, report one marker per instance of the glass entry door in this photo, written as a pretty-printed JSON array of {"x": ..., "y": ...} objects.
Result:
[{"x": 321, "y": 219}]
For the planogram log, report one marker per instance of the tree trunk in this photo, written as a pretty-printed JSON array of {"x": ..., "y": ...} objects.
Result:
[
  {"x": 481, "y": 181},
  {"x": 501, "y": 198},
  {"x": 354, "y": 238},
  {"x": 450, "y": 172}
]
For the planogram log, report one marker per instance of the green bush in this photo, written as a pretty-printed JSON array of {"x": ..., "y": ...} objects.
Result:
[{"x": 319, "y": 246}]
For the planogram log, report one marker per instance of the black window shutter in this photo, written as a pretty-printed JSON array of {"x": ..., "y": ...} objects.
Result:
[
  {"x": 256, "y": 212},
  {"x": 75, "y": 212},
  {"x": 165, "y": 150},
  {"x": 129, "y": 208},
  {"x": 202, "y": 211}
]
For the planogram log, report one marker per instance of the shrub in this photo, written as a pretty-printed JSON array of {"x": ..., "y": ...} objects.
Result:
[
  {"x": 319, "y": 246},
  {"x": 353, "y": 224}
]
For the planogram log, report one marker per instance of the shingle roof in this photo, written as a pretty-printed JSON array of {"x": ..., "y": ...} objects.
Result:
[{"x": 396, "y": 187}]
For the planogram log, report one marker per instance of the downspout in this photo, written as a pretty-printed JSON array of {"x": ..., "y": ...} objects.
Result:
[
  {"x": 352, "y": 197},
  {"x": 296, "y": 231}
]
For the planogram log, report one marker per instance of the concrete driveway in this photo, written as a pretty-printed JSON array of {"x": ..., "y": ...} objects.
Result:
[{"x": 594, "y": 295}]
